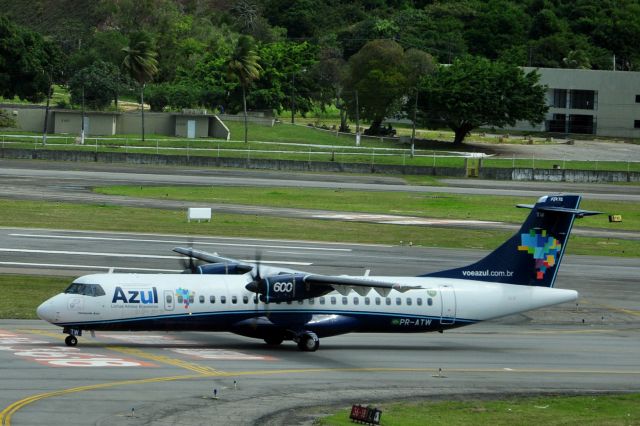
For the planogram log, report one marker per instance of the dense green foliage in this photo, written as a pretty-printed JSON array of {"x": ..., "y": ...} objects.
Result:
[
  {"x": 474, "y": 92},
  {"x": 310, "y": 53}
]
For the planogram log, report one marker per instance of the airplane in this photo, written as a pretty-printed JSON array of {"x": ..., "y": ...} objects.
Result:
[{"x": 277, "y": 304}]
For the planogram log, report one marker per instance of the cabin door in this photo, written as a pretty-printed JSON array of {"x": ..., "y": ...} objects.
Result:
[{"x": 448, "y": 303}]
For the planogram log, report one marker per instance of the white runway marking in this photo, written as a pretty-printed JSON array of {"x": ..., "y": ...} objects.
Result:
[
  {"x": 67, "y": 237},
  {"x": 61, "y": 265},
  {"x": 130, "y": 255},
  {"x": 401, "y": 220}
]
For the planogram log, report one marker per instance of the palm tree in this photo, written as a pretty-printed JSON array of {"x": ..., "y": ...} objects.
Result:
[
  {"x": 243, "y": 66},
  {"x": 141, "y": 64}
]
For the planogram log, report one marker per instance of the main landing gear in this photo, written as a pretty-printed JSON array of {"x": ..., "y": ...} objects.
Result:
[
  {"x": 307, "y": 341},
  {"x": 71, "y": 340}
]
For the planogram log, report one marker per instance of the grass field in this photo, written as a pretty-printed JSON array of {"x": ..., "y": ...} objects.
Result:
[
  {"x": 544, "y": 410},
  {"x": 23, "y": 293},
  {"x": 436, "y": 205},
  {"x": 117, "y": 218}
]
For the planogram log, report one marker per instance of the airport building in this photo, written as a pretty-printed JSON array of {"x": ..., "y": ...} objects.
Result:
[{"x": 592, "y": 102}]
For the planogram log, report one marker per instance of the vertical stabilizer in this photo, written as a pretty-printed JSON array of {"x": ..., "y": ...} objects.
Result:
[{"x": 533, "y": 255}]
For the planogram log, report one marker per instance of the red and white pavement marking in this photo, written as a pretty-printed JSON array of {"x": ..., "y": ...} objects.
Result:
[
  {"x": 61, "y": 356},
  {"x": 148, "y": 339}
]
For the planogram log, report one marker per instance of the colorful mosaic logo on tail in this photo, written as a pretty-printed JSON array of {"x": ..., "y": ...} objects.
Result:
[{"x": 544, "y": 249}]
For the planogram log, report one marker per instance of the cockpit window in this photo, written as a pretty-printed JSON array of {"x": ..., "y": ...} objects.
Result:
[{"x": 93, "y": 290}]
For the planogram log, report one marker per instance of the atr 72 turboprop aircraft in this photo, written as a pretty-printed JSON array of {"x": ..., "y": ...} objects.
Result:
[{"x": 277, "y": 304}]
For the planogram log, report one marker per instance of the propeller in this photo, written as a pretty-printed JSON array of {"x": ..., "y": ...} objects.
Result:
[
  {"x": 256, "y": 279},
  {"x": 256, "y": 284}
]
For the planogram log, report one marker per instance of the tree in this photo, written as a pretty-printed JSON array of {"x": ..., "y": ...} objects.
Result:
[
  {"x": 475, "y": 92},
  {"x": 419, "y": 64},
  {"x": 98, "y": 83},
  {"x": 28, "y": 62},
  {"x": 141, "y": 64},
  {"x": 243, "y": 66},
  {"x": 377, "y": 74}
]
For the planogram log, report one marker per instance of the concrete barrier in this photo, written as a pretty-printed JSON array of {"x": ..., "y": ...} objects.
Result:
[{"x": 517, "y": 174}]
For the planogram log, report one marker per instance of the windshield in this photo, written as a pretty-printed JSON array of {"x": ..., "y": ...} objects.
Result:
[{"x": 93, "y": 290}]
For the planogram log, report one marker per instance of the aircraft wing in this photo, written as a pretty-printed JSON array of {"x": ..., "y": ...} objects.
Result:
[
  {"x": 342, "y": 284},
  {"x": 207, "y": 257},
  {"x": 362, "y": 286}
]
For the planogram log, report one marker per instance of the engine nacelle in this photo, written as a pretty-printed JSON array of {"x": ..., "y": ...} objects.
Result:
[
  {"x": 289, "y": 287},
  {"x": 223, "y": 269}
]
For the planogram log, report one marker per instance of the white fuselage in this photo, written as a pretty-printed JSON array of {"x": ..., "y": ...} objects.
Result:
[{"x": 218, "y": 302}]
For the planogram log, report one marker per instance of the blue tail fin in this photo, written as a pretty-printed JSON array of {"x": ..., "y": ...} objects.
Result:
[{"x": 533, "y": 255}]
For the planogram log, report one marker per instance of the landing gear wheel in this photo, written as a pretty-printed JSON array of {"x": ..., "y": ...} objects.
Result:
[
  {"x": 71, "y": 340},
  {"x": 273, "y": 340},
  {"x": 308, "y": 343}
]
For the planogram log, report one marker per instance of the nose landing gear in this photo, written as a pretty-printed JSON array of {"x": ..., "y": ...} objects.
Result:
[{"x": 71, "y": 339}]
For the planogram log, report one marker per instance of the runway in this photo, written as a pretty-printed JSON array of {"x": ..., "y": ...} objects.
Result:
[{"x": 170, "y": 378}]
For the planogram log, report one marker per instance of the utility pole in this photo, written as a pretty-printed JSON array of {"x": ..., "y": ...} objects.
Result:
[
  {"x": 293, "y": 97},
  {"x": 82, "y": 126},
  {"x": 46, "y": 113},
  {"x": 357, "y": 121},
  {"x": 413, "y": 129}
]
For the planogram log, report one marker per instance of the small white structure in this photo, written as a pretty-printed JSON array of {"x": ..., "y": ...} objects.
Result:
[{"x": 199, "y": 213}]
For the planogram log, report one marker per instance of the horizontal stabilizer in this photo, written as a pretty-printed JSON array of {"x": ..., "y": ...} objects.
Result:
[{"x": 577, "y": 212}]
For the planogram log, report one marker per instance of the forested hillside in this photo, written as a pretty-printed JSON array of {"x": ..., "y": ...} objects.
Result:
[{"x": 307, "y": 50}]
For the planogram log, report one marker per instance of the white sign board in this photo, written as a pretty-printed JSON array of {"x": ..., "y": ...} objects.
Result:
[{"x": 199, "y": 213}]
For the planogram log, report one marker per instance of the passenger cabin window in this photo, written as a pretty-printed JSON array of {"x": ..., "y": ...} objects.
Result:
[
  {"x": 356, "y": 300},
  {"x": 322, "y": 300},
  {"x": 387, "y": 301},
  {"x": 223, "y": 299},
  {"x": 398, "y": 301},
  {"x": 419, "y": 301},
  {"x": 300, "y": 302},
  {"x": 93, "y": 290},
  {"x": 429, "y": 301},
  {"x": 169, "y": 299},
  {"x": 312, "y": 301},
  {"x": 212, "y": 299},
  {"x": 179, "y": 299},
  {"x": 190, "y": 299},
  {"x": 234, "y": 299},
  {"x": 409, "y": 301},
  {"x": 345, "y": 300},
  {"x": 377, "y": 300},
  {"x": 367, "y": 301},
  {"x": 333, "y": 300},
  {"x": 201, "y": 299},
  {"x": 245, "y": 299}
]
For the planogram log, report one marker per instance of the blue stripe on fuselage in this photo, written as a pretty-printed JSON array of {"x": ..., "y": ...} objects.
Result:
[{"x": 223, "y": 321}]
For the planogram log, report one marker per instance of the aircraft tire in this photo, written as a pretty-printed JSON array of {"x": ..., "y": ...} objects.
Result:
[
  {"x": 308, "y": 343},
  {"x": 71, "y": 341}
]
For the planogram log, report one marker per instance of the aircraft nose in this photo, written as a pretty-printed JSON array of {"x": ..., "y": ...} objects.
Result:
[{"x": 45, "y": 311}]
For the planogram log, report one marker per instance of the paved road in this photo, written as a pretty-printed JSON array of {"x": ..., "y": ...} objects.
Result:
[
  {"x": 55, "y": 182},
  {"x": 42, "y": 177},
  {"x": 169, "y": 378}
]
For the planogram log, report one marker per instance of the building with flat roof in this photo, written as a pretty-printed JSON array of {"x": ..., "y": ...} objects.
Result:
[{"x": 592, "y": 102}]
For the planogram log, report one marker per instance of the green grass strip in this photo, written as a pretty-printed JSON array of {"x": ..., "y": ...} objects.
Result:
[
  {"x": 544, "y": 410},
  {"x": 130, "y": 219},
  {"x": 433, "y": 205},
  {"x": 23, "y": 293}
]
